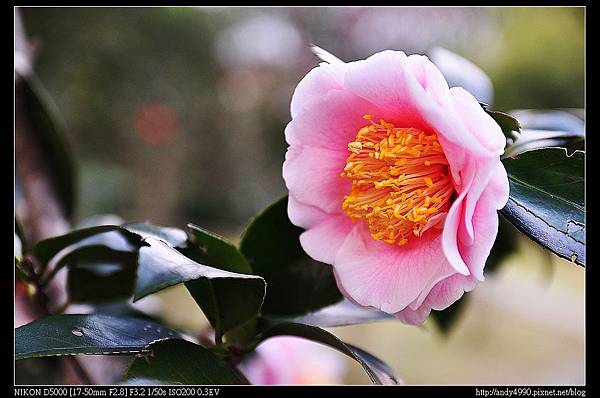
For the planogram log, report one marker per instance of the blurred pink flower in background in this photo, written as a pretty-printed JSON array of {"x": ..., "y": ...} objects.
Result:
[
  {"x": 397, "y": 180},
  {"x": 155, "y": 123},
  {"x": 292, "y": 360}
]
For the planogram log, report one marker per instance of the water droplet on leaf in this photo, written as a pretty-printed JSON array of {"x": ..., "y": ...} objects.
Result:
[{"x": 77, "y": 332}]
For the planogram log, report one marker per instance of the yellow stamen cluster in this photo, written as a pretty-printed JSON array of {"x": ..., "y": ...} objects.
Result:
[{"x": 400, "y": 180}]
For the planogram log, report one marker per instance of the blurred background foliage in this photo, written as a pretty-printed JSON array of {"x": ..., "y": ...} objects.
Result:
[{"x": 176, "y": 115}]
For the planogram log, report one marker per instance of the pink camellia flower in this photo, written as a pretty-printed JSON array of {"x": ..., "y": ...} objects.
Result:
[
  {"x": 292, "y": 360},
  {"x": 396, "y": 179}
]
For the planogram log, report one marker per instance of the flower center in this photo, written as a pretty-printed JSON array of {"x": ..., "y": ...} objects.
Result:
[{"x": 400, "y": 181}]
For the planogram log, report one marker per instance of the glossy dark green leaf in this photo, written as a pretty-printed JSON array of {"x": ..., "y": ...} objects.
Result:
[
  {"x": 378, "y": 371},
  {"x": 100, "y": 276},
  {"x": 297, "y": 283},
  {"x": 126, "y": 237},
  {"x": 174, "y": 237},
  {"x": 90, "y": 255},
  {"x": 507, "y": 123},
  {"x": 384, "y": 372},
  {"x": 228, "y": 299},
  {"x": 339, "y": 314},
  {"x": 547, "y": 200},
  {"x": 48, "y": 248},
  {"x": 91, "y": 334},
  {"x": 217, "y": 252},
  {"x": 529, "y": 140},
  {"x": 182, "y": 362},
  {"x": 49, "y": 133},
  {"x": 121, "y": 308},
  {"x": 86, "y": 286}
]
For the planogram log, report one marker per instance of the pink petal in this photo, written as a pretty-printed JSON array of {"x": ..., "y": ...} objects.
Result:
[
  {"x": 480, "y": 124},
  {"x": 463, "y": 228},
  {"x": 415, "y": 95},
  {"x": 317, "y": 83},
  {"x": 323, "y": 241},
  {"x": 373, "y": 273},
  {"x": 434, "y": 270},
  {"x": 330, "y": 121},
  {"x": 293, "y": 360},
  {"x": 426, "y": 289},
  {"x": 484, "y": 169},
  {"x": 436, "y": 221},
  {"x": 444, "y": 294},
  {"x": 312, "y": 176},
  {"x": 385, "y": 80},
  {"x": 449, "y": 291},
  {"x": 430, "y": 78},
  {"x": 452, "y": 224},
  {"x": 485, "y": 223},
  {"x": 413, "y": 317},
  {"x": 303, "y": 215},
  {"x": 499, "y": 187}
]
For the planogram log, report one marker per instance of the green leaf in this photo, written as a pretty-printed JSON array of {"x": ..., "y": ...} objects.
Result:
[
  {"x": 98, "y": 274},
  {"x": 90, "y": 334},
  {"x": 86, "y": 286},
  {"x": 228, "y": 299},
  {"x": 383, "y": 372},
  {"x": 46, "y": 249},
  {"x": 546, "y": 200},
  {"x": 126, "y": 237},
  {"x": 90, "y": 255},
  {"x": 507, "y": 123},
  {"x": 216, "y": 251},
  {"x": 378, "y": 371},
  {"x": 339, "y": 314},
  {"x": 121, "y": 308},
  {"x": 182, "y": 362},
  {"x": 530, "y": 140},
  {"x": 547, "y": 128},
  {"x": 49, "y": 133},
  {"x": 174, "y": 237},
  {"x": 297, "y": 283}
]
